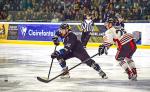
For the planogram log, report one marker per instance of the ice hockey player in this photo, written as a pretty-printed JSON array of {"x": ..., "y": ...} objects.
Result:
[
  {"x": 87, "y": 27},
  {"x": 72, "y": 48},
  {"x": 125, "y": 46}
]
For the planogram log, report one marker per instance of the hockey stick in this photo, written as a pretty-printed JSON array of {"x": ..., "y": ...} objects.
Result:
[
  {"x": 47, "y": 80},
  {"x": 39, "y": 78}
]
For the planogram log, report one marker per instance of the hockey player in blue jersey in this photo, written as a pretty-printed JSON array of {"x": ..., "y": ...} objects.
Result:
[{"x": 72, "y": 48}]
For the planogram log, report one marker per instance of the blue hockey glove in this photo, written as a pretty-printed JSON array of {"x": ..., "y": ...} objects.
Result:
[
  {"x": 55, "y": 54},
  {"x": 101, "y": 49},
  {"x": 55, "y": 40}
]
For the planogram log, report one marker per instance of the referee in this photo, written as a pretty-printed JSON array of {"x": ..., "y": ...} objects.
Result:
[{"x": 87, "y": 27}]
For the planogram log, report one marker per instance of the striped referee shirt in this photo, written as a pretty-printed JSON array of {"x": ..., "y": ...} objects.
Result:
[{"x": 87, "y": 25}]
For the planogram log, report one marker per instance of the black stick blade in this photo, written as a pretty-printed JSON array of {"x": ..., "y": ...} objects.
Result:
[{"x": 45, "y": 80}]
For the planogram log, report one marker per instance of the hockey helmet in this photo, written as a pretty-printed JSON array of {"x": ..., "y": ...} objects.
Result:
[{"x": 64, "y": 26}]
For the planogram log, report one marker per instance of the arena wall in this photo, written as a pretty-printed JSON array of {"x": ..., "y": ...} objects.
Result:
[{"x": 41, "y": 33}]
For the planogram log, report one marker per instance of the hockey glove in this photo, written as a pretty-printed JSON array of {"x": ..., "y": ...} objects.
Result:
[
  {"x": 55, "y": 55},
  {"x": 55, "y": 40},
  {"x": 101, "y": 49},
  {"x": 62, "y": 52}
]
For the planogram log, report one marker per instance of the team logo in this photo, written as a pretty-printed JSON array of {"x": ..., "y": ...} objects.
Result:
[
  {"x": 68, "y": 45},
  {"x": 23, "y": 31}
]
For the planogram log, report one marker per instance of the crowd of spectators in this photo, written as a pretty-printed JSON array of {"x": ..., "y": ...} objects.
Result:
[{"x": 73, "y": 10}]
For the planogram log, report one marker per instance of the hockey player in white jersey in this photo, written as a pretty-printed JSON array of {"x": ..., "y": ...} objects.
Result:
[{"x": 125, "y": 46}]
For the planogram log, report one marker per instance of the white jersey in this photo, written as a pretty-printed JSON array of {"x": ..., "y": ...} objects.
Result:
[{"x": 117, "y": 37}]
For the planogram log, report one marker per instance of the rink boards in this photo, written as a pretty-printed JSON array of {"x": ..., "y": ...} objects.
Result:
[
  {"x": 51, "y": 43},
  {"x": 41, "y": 33}
]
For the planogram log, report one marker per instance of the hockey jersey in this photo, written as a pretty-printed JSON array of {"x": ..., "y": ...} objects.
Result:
[
  {"x": 117, "y": 37},
  {"x": 87, "y": 25}
]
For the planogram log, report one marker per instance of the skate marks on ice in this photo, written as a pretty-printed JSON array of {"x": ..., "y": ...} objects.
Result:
[
  {"x": 140, "y": 84},
  {"x": 100, "y": 85},
  {"x": 22, "y": 64},
  {"x": 77, "y": 85}
]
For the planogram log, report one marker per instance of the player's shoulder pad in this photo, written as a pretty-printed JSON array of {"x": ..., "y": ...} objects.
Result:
[{"x": 71, "y": 34}]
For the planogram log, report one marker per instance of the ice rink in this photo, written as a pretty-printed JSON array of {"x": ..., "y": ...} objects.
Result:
[{"x": 21, "y": 64}]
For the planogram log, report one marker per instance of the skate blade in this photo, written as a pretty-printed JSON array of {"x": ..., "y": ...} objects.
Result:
[
  {"x": 64, "y": 77},
  {"x": 134, "y": 78},
  {"x": 105, "y": 77}
]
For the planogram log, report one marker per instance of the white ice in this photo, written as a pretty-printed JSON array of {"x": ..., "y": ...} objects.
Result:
[{"x": 21, "y": 64}]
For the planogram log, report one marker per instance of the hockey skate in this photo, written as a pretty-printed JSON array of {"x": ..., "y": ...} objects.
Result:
[
  {"x": 129, "y": 72},
  {"x": 131, "y": 75},
  {"x": 134, "y": 76},
  {"x": 103, "y": 74},
  {"x": 65, "y": 74}
]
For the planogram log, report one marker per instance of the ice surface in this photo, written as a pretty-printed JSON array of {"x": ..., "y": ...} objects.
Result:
[{"x": 21, "y": 64}]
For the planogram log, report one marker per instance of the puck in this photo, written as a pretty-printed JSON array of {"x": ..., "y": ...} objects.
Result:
[{"x": 6, "y": 80}]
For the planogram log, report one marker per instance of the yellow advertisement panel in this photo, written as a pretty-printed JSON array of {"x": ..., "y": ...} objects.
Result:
[{"x": 3, "y": 31}]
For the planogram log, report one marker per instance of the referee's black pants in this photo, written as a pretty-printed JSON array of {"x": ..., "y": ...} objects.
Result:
[{"x": 85, "y": 38}]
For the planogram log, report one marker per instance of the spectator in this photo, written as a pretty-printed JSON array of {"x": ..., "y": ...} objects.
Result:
[
  {"x": 75, "y": 9},
  {"x": 3, "y": 15},
  {"x": 55, "y": 19}
]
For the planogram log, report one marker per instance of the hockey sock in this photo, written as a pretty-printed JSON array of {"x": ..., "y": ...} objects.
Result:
[
  {"x": 132, "y": 66},
  {"x": 128, "y": 71},
  {"x": 62, "y": 63},
  {"x": 124, "y": 65},
  {"x": 96, "y": 67}
]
